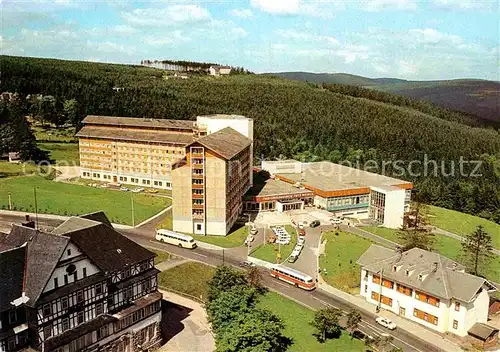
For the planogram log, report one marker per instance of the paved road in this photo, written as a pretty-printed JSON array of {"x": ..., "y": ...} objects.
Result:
[{"x": 315, "y": 299}]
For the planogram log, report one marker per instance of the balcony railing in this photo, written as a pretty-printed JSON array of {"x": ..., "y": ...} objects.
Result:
[
  {"x": 198, "y": 206},
  {"x": 197, "y": 186},
  {"x": 197, "y": 196},
  {"x": 197, "y": 216}
]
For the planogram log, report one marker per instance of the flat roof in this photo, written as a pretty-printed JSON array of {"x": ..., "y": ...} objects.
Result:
[
  {"x": 327, "y": 176},
  {"x": 274, "y": 187},
  {"x": 137, "y": 136},
  {"x": 138, "y": 122}
]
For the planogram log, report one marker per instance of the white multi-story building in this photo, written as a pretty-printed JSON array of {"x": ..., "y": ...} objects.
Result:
[
  {"x": 85, "y": 287},
  {"x": 425, "y": 287}
]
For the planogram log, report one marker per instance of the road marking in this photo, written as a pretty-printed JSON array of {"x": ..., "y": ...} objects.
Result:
[
  {"x": 201, "y": 255},
  {"x": 377, "y": 328},
  {"x": 325, "y": 303}
]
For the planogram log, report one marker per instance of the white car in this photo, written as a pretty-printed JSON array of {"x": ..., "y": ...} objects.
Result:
[
  {"x": 138, "y": 190},
  {"x": 301, "y": 240},
  {"x": 254, "y": 231},
  {"x": 386, "y": 323},
  {"x": 302, "y": 225},
  {"x": 336, "y": 221},
  {"x": 125, "y": 189}
]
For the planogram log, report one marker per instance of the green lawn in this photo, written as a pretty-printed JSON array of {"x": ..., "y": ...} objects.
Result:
[
  {"x": 235, "y": 238},
  {"x": 269, "y": 251},
  {"x": 161, "y": 256},
  {"x": 65, "y": 154},
  {"x": 166, "y": 223},
  {"x": 389, "y": 234},
  {"x": 53, "y": 134},
  {"x": 190, "y": 278},
  {"x": 296, "y": 319},
  {"x": 70, "y": 199},
  {"x": 449, "y": 247},
  {"x": 11, "y": 169},
  {"x": 462, "y": 224},
  {"x": 339, "y": 259}
]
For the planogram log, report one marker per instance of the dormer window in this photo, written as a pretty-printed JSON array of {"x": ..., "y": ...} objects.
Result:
[
  {"x": 69, "y": 252},
  {"x": 407, "y": 272},
  {"x": 420, "y": 277},
  {"x": 394, "y": 268}
]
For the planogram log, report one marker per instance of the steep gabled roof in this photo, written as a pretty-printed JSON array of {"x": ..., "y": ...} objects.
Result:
[
  {"x": 226, "y": 142},
  {"x": 12, "y": 263},
  {"x": 106, "y": 248},
  {"x": 441, "y": 276},
  {"x": 43, "y": 253}
]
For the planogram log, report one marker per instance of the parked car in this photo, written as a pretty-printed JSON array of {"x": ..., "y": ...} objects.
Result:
[
  {"x": 301, "y": 225},
  {"x": 386, "y": 323},
  {"x": 138, "y": 190},
  {"x": 302, "y": 232},
  {"x": 151, "y": 191},
  {"x": 301, "y": 241},
  {"x": 124, "y": 189},
  {"x": 246, "y": 264},
  {"x": 254, "y": 231},
  {"x": 315, "y": 223},
  {"x": 336, "y": 221},
  {"x": 292, "y": 258}
]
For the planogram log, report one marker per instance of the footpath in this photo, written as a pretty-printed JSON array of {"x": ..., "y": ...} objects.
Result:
[{"x": 186, "y": 326}]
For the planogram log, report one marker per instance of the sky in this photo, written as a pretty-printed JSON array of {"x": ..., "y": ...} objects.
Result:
[{"x": 409, "y": 39}]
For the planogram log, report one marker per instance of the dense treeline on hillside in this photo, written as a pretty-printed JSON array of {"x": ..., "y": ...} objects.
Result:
[{"x": 293, "y": 120}]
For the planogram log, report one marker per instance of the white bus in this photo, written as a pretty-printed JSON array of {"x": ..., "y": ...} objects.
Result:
[{"x": 175, "y": 238}]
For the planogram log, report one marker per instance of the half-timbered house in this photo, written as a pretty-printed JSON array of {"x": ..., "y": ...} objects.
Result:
[{"x": 88, "y": 288}]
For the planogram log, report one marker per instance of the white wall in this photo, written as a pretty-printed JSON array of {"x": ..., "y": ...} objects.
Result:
[
  {"x": 59, "y": 272},
  {"x": 394, "y": 208},
  {"x": 185, "y": 226},
  {"x": 477, "y": 311}
]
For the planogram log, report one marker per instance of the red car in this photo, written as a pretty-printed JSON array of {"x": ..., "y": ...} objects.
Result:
[{"x": 302, "y": 232}]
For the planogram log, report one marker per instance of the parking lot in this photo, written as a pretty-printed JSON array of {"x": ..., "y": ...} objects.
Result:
[{"x": 307, "y": 261}]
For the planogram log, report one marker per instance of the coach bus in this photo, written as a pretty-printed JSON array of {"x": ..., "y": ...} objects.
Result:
[
  {"x": 293, "y": 277},
  {"x": 177, "y": 239}
]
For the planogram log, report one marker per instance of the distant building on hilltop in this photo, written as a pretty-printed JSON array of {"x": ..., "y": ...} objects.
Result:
[
  {"x": 81, "y": 287},
  {"x": 219, "y": 70}
]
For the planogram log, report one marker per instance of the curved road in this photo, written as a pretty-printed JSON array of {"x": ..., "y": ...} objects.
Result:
[{"x": 316, "y": 299}]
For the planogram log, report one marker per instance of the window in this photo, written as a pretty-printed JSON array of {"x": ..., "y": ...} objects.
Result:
[
  {"x": 75, "y": 276},
  {"x": 198, "y": 227},
  {"x": 455, "y": 324},
  {"x": 12, "y": 317},
  {"x": 12, "y": 343},
  {"x": 65, "y": 279},
  {"x": 79, "y": 296},
  {"x": 80, "y": 317},
  {"x": 84, "y": 272},
  {"x": 151, "y": 331},
  {"x": 366, "y": 288},
  {"x": 99, "y": 309},
  {"x": 56, "y": 284},
  {"x": 47, "y": 310},
  {"x": 98, "y": 289},
  {"x": 457, "y": 306},
  {"x": 65, "y": 324},
  {"x": 64, "y": 303},
  {"x": 68, "y": 251},
  {"x": 47, "y": 331}
]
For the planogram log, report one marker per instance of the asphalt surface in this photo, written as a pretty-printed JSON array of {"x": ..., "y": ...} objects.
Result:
[{"x": 316, "y": 299}]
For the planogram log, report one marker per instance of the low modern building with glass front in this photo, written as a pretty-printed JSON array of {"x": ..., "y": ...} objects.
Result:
[{"x": 342, "y": 190}]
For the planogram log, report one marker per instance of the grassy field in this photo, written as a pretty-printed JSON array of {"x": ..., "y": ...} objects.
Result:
[
  {"x": 269, "y": 251},
  {"x": 198, "y": 274},
  {"x": 449, "y": 247},
  {"x": 11, "y": 169},
  {"x": 296, "y": 319},
  {"x": 339, "y": 260},
  {"x": 166, "y": 223},
  {"x": 69, "y": 199},
  {"x": 53, "y": 134},
  {"x": 462, "y": 224},
  {"x": 62, "y": 153},
  {"x": 161, "y": 256},
  {"x": 235, "y": 238}
]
